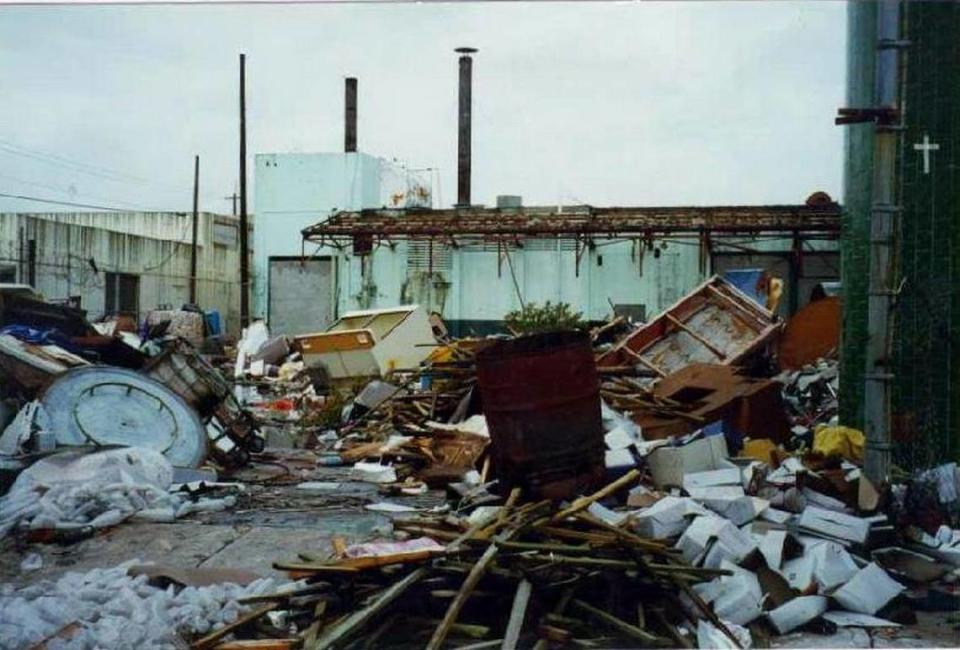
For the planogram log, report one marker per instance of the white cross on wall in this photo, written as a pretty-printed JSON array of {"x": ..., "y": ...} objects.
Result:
[{"x": 926, "y": 147}]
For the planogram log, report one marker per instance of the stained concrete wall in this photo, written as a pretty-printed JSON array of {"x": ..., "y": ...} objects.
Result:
[
  {"x": 155, "y": 246},
  {"x": 473, "y": 287}
]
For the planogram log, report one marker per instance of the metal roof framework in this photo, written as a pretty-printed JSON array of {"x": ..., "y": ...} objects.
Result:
[{"x": 508, "y": 227}]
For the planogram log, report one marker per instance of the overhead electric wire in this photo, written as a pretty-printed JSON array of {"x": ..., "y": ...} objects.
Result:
[
  {"x": 132, "y": 206},
  {"x": 87, "y": 168},
  {"x": 73, "y": 204}
]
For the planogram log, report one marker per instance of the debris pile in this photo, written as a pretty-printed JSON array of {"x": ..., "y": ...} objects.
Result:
[
  {"x": 812, "y": 395},
  {"x": 108, "y": 608},
  {"x": 71, "y": 494},
  {"x": 514, "y": 574},
  {"x": 725, "y": 504}
]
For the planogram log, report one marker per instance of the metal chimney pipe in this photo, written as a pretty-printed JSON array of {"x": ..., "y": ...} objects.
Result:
[
  {"x": 464, "y": 126},
  {"x": 350, "y": 115}
]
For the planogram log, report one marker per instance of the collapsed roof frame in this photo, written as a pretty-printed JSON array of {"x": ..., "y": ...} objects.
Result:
[{"x": 508, "y": 227}]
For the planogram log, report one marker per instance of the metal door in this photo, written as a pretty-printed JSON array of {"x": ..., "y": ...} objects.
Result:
[{"x": 301, "y": 295}]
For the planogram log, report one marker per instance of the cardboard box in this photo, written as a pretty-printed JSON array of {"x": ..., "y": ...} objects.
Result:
[{"x": 668, "y": 464}]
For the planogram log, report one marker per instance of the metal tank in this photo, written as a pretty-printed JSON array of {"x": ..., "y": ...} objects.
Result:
[{"x": 541, "y": 398}]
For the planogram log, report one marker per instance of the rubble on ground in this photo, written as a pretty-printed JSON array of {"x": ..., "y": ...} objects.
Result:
[
  {"x": 653, "y": 485},
  {"x": 108, "y": 608}
]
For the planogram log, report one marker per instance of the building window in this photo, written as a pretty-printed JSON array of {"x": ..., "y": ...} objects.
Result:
[
  {"x": 122, "y": 294},
  {"x": 8, "y": 273},
  {"x": 225, "y": 234}
]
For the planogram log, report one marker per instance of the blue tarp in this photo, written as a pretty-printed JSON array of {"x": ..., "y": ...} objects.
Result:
[{"x": 40, "y": 337}]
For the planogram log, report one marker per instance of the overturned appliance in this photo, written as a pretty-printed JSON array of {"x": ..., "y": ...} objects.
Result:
[
  {"x": 370, "y": 343},
  {"x": 715, "y": 323},
  {"x": 233, "y": 432}
]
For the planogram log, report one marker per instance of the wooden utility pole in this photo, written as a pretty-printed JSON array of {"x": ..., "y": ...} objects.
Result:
[
  {"x": 244, "y": 271},
  {"x": 233, "y": 202},
  {"x": 193, "y": 246}
]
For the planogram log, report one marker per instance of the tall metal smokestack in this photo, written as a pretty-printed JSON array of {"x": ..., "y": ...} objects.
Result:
[
  {"x": 350, "y": 115},
  {"x": 464, "y": 126}
]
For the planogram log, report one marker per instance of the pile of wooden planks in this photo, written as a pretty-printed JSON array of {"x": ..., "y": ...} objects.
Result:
[{"x": 531, "y": 574}]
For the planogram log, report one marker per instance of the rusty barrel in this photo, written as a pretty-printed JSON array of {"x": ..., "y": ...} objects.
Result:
[{"x": 541, "y": 398}]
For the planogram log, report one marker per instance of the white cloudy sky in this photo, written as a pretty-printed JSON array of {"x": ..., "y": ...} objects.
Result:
[{"x": 604, "y": 103}]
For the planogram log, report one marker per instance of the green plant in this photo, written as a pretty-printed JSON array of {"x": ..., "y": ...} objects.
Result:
[{"x": 549, "y": 317}]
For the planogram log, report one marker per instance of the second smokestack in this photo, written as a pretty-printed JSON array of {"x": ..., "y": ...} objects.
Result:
[
  {"x": 350, "y": 115},
  {"x": 464, "y": 126}
]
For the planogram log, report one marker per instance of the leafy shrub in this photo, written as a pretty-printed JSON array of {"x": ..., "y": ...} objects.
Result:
[{"x": 549, "y": 317}]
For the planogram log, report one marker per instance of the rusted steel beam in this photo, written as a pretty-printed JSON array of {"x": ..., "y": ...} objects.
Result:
[{"x": 822, "y": 220}]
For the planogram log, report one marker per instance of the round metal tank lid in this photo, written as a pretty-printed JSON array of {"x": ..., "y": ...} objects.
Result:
[{"x": 103, "y": 405}]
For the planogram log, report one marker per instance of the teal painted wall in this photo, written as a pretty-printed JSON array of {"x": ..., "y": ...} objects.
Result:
[{"x": 468, "y": 284}]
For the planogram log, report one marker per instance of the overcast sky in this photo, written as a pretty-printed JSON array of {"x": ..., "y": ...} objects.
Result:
[{"x": 601, "y": 103}]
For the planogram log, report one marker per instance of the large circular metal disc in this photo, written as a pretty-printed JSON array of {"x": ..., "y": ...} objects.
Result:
[{"x": 113, "y": 406}]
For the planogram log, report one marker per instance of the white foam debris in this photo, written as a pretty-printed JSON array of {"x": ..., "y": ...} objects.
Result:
[
  {"x": 112, "y": 610},
  {"x": 75, "y": 490}
]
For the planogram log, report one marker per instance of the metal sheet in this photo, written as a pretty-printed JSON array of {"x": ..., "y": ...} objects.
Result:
[
  {"x": 301, "y": 298},
  {"x": 113, "y": 406}
]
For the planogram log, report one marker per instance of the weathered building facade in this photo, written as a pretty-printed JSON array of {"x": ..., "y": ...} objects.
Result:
[
  {"x": 295, "y": 190},
  {"x": 474, "y": 265},
  {"x": 124, "y": 262}
]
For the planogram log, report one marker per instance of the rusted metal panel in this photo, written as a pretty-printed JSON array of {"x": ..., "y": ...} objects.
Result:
[
  {"x": 541, "y": 398},
  {"x": 705, "y": 393},
  {"x": 811, "y": 333},
  {"x": 715, "y": 323}
]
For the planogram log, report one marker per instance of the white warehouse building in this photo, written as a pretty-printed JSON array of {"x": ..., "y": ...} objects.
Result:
[{"x": 124, "y": 262}]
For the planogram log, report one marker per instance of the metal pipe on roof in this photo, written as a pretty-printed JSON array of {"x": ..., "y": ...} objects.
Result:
[
  {"x": 464, "y": 126},
  {"x": 350, "y": 115}
]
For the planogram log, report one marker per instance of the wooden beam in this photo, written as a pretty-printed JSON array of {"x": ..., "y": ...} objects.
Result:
[
  {"x": 584, "y": 502},
  {"x": 517, "y": 613},
  {"x": 618, "y": 624},
  {"x": 648, "y": 364},
  {"x": 361, "y": 618},
  {"x": 707, "y": 344},
  {"x": 211, "y": 639}
]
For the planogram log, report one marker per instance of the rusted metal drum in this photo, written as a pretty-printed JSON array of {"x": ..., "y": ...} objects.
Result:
[
  {"x": 181, "y": 369},
  {"x": 541, "y": 398}
]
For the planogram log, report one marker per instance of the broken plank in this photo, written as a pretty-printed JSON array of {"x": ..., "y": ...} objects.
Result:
[
  {"x": 584, "y": 502},
  {"x": 618, "y": 624},
  {"x": 359, "y": 619},
  {"x": 696, "y": 336},
  {"x": 648, "y": 364},
  {"x": 211, "y": 639},
  {"x": 261, "y": 644},
  {"x": 517, "y": 613}
]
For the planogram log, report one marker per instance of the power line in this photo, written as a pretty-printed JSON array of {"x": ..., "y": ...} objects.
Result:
[
  {"x": 71, "y": 203},
  {"x": 70, "y": 192},
  {"x": 84, "y": 168},
  {"x": 78, "y": 167}
]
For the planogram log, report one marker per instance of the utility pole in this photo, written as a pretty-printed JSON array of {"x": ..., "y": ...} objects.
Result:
[
  {"x": 244, "y": 271},
  {"x": 233, "y": 202},
  {"x": 193, "y": 246}
]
